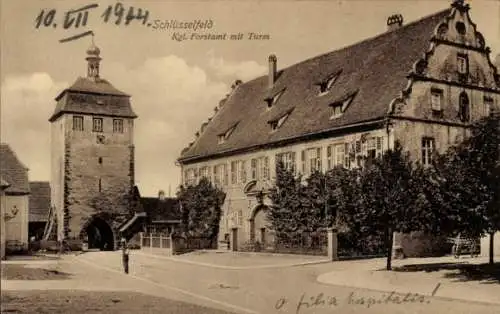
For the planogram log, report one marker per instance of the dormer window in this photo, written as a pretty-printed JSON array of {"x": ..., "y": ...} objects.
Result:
[
  {"x": 338, "y": 108},
  {"x": 326, "y": 85},
  {"x": 222, "y": 138},
  {"x": 278, "y": 122},
  {"x": 271, "y": 101},
  {"x": 436, "y": 99}
]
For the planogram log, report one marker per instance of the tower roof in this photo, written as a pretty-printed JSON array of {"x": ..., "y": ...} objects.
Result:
[{"x": 93, "y": 88}]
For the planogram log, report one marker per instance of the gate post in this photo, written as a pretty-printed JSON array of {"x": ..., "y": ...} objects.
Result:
[
  {"x": 332, "y": 244},
  {"x": 150, "y": 241},
  {"x": 141, "y": 239},
  {"x": 161, "y": 244}
]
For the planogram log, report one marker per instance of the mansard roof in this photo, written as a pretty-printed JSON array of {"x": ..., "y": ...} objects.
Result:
[
  {"x": 374, "y": 70},
  {"x": 97, "y": 86},
  {"x": 73, "y": 100},
  {"x": 12, "y": 171}
]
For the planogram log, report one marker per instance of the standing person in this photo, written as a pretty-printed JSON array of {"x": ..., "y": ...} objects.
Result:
[{"x": 125, "y": 255}]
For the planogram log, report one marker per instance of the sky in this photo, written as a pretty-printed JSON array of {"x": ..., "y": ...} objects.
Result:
[{"x": 174, "y": 84}]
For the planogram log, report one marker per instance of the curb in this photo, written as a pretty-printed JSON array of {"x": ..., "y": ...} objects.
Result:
[{"x": 173, "y": 259}]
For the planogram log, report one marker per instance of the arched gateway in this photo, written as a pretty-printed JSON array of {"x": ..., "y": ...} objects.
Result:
[
  {"x": 98, "y": 234},
  {"x": 259, "y": 225}
]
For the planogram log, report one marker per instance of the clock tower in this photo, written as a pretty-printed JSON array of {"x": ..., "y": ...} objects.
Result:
[{"x": 92, "y": 153}]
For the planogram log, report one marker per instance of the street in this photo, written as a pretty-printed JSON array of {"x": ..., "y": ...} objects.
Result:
[{"x": 258, "y": 290}]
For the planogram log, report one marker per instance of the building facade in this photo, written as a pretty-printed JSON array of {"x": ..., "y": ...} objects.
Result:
[
  {"x": 421, "y": 84},
  {"x": 15, "y": 200},
  {"x": 92, "y": 173}
]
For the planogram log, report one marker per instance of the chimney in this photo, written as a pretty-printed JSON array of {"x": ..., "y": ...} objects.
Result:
[
  {"x": 394, "y": 22},
  {"x": 272, "y": 70}
]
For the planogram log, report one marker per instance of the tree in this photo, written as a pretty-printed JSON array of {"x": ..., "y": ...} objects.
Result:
[
  {"x": 470, "y": 181},
  {"x": 387, "y": 197},
  {"x": 285, "y": 214},
  {"x": 201, "y": 209}
]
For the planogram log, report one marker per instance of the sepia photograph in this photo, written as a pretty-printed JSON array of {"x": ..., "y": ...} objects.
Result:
[{"x": 250, "y": 157}]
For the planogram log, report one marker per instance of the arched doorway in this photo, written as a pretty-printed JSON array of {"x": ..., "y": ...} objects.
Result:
[
  {"x": 259, "y": 226},
  {"x": 99, "y": 235}
]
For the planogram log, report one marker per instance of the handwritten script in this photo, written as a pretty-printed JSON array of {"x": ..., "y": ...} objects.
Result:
[
  {"x": 322, "y": 300},
  {"x": 78, "y": 18}
]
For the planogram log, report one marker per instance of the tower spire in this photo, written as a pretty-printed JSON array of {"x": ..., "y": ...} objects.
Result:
[{"x": 93, "y": 60}]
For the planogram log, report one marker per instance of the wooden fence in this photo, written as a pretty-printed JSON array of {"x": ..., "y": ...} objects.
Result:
[
  {"x": 177, "y": 244},
  {"x": 155, "y": 240}
]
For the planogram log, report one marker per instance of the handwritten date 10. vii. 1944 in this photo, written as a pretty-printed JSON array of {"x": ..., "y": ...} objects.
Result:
[
  {"x": 76, "y": 18},
  {"x": 326, "y": 301}
]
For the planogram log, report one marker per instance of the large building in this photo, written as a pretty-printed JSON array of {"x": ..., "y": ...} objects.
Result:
[
  {"x": 14, "y": 200},
  {"x": 422, "y": 84},
  {"x": 92, "y": 159}
]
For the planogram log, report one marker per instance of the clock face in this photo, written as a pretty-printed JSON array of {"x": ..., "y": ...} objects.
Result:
[{"x": 100, "y": 139}]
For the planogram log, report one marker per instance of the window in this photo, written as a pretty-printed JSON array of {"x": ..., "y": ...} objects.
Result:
[
  {"x": 335, "y": 155},
  {"x": 243, "y": 171},
  {"x": 217, "y": 175},
  {"x": 371, "y": 149},
  {"x": 78, "y": 123},
  {"x": 460, "y": 26},
  {"x": 462, "y": 64},
  {"x": 336, "y": 111},
  {"x": 264, "y": 168},
  {"x": 347, "y": 159},
  {"x": 311, "y": 160},
  {"x": 427, "y": 150},
  {"x": 117, "y": 125},
  {"x": 221, "y": 138},
  {"x": 224, "y": 174},
  {"x": 488, "y": 105},
  {"x": 97, "y": 124},
  {"x": 463, "y": 107},
  {"x": 190, "y": 177},
  {"x": 276, "y": 124},
  {"x": 234, "y": 172},
  {"x": 288, "y": 160},
  {"x": 240, "y": 217},
  {"x": 100, "y": 160},
  {"x": 204, "y": 172},
  {"x": 253, "y": 165},
  {"x": 436, "y": 99},
  {"x": 379, "y": 145}
]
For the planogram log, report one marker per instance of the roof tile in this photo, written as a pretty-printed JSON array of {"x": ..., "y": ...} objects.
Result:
[{"x": 13, "y": 171}]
